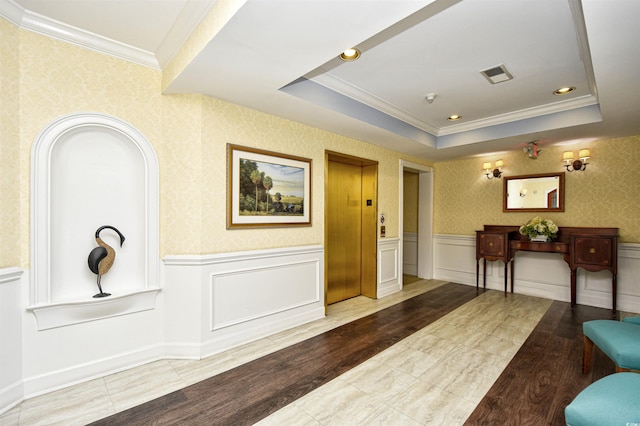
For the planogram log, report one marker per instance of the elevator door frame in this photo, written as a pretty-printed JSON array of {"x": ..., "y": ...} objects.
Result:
[{"x": 369, "y": 234}]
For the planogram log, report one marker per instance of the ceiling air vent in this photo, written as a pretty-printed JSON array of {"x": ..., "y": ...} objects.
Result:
[{"x": 497, "y": 74}]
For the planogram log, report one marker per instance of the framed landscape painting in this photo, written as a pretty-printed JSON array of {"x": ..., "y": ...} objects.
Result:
[{"x": 266, "y": 188}]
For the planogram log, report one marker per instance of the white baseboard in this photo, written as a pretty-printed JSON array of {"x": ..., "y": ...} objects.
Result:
[{"x": 62, "y": 378}]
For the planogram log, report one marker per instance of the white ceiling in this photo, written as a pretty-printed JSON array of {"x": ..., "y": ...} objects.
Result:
[{"x": 280, "y": 57}]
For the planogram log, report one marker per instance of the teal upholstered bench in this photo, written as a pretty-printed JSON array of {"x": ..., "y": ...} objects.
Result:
[
  {"x": 619, "y": 340},
  {"x": 611, "y": 401},
  {"x": 632, "y": 320}
]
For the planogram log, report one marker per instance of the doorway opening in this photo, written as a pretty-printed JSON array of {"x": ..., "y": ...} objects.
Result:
[
  {"x": 424, "y": 228},
  {"x": 351, "y": 200}
]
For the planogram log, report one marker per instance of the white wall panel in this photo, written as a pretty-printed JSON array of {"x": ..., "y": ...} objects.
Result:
[
  {"x": 454, "y": 259},
  {"x": 240, "y": 297},
  {"x": 253, "y": 293},
  {"x": 389, "y": 278},
  {"x": 11, "y": 387}
]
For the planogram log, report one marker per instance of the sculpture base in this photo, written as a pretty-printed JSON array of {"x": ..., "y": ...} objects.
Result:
[{"x": 102, "y": 295}]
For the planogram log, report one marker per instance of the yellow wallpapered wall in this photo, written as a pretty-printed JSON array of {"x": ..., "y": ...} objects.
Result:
[
  {"x": 9, "y": 147},
  {"x": 189, "y": 133},
  {"x": 43, "y": 79},
  {"x": 224, "y": 123},
  {"x": 58, "y": 78},
  {"x": 410, "y": 204},
  {"x": 607, "y": 194}
]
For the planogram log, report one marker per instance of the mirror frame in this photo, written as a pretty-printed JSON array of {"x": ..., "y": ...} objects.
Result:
[{"x": 560, "y": 208}]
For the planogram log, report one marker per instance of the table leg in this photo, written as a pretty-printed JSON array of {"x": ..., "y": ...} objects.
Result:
[
  {"x": 505, "y": 278},
  {"x": 477, "y": 273},
  {"x": 573, "y": 287},
  {"x": 614, "y": 290},
  {"x": 484, "y": 274},
  {"x": 513, "y": 261}
]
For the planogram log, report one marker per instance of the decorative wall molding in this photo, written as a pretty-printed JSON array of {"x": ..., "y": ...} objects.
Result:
[
  {"x": 62, "y": 378},
  {"x": 544, "y": 275},
  {"x": 11, "y": 351},
  {"x": 214, "y": 302},
  {"x": 240, "y": 297},
  {"x": 48, "y": 27},
  {"x": 54, "y": 315},
  {"x": 188, "y": 20},
  {"x": 425, "y": 213},
  {"x": 232, "y": 288},
  {"x": 8, "y": 275},
  {"x": 239, "y": 256},
  {"x": 71, "y": 163},
  {"x": 389, "y": 278}
]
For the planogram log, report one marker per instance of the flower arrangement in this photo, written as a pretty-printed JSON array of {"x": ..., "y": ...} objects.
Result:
[{"x": 540, "y": 227}]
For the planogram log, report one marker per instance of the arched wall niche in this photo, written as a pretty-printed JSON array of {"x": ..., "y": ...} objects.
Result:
[{"x": 90, "y": 170}]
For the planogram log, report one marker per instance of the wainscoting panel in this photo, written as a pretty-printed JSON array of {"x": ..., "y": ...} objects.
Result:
[
  {"x": 454, "y": 259},
  {"x": 241, "y": 297},
  {"x": 628, "y": 282},
  {"x": 541, "y": 274},
  {"x": 11, "y": 387},
  {"x": 389, "y": 279},
  {"x": 248, "y": 294}
]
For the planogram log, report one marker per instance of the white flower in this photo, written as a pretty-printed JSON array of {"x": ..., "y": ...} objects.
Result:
[{"x": 539, "y": 226}]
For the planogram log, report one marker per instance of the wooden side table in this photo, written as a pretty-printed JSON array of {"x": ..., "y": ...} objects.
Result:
[
  {"x": 492, "y": 246},
  {"x": 593, "y": 249},
  {"x": 594, "y": 253}
]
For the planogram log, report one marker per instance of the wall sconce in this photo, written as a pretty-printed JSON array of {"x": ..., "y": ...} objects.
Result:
[
  {"x": 579, "y": 164},
  {"x": 495, "y": 173}
]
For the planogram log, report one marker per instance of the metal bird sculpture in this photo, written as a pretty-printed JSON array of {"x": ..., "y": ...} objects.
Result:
[{"x": 101, "y": 258}]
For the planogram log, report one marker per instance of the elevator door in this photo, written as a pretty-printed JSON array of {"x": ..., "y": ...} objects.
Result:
[{"x": 344, "y": 228}]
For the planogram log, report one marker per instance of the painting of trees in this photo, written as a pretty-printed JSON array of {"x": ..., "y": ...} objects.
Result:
[
  {"x": 267, "y": 188},
  {"x": 267, "y": 183},
  {"x": 257, "y": 179}
]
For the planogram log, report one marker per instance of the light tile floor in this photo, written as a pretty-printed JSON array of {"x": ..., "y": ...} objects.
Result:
[{"x": 435, "y": 376}]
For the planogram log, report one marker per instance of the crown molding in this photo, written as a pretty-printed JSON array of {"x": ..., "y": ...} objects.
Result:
[
  {"x": 523, "y": 114},
  {"x": 39, "y": 24},
  {"x": 334, "y": 83},
  {"x": 11, "y": 11},
  {"x": 337, "y": 84}
]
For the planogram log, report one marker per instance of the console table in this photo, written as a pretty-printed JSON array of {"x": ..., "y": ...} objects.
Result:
[{"x": 593, "y": 249}]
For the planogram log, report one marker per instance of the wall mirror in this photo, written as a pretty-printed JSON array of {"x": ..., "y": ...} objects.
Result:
[{"x": 534, "y": 193}]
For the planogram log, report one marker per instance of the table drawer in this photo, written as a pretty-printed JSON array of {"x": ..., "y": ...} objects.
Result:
[
  {"x": 593, "y": 251},
  {"x": 491, "y": 244}
]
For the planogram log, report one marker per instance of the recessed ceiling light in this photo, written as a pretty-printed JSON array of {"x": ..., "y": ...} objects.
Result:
[
  {"x": 350, "y": 54},
  {"x": 454, "y": 117},
  {"x": 564, "y": 90}
]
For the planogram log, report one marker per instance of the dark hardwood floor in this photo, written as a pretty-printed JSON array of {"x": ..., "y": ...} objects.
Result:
[
  {"x": 546, "y": 373},
  {"x": 248, "y": 393},
  {"x": 539, "y": 382}
]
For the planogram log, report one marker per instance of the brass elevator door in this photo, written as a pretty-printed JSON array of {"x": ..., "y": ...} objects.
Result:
[{"x": 344, "y": 231}]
